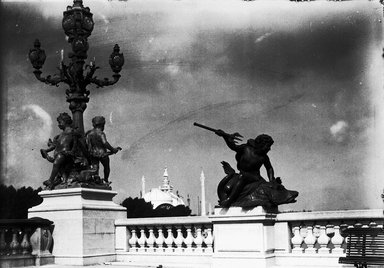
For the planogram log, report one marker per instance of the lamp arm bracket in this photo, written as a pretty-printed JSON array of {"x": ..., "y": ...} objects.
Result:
[
  {"x": 105, "y": 81},
  {"x": 50, "y": 80}
]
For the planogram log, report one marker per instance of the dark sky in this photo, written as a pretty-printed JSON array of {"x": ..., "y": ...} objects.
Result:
[{"x": 306, "y": 73}]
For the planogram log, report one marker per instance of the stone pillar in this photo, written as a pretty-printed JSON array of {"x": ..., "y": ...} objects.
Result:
[
  {"x": 84, "y": 229},
  {"x": 243, "y": 238}
]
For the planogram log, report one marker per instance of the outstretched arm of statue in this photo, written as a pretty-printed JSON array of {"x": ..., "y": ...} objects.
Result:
[
  {"x": 44, "y": 152},
  {"x": 269, "y": 168},
  {"x": 271, "y": 174},
  {"x": 109, "y": 146},
  {"x": 45, "y": 155},
  {"x": 114, "y": 150},
  {"x": 230, "y": 139}
]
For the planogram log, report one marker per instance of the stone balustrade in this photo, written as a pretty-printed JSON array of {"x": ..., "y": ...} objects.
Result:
[
  {"x": 310, "y": 239},
  {"x": 321, "y": 232},
  {"x": 173, "y": 234},
  {"x": 291, "y": 239},
  {"x": 25, "y": 242}
]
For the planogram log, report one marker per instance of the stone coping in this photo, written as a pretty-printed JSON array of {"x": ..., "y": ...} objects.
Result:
[
  {"x": 331, "y": 215},
  {"x": 74, "y": 191},
  {"x": 256, "y": 214},
  {"x": 32, "y": 222},
  {"x": 164, "y": 221},
  {"x": 233, "y": 214},
  {"x": 71, "y": 199}
]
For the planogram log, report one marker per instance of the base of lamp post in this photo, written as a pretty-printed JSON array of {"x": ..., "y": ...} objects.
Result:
[{"x": 84, "y": 230}]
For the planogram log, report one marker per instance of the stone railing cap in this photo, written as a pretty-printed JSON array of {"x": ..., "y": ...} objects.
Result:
[
  {"x": 32, "y": 222},
  {"x": 163, "y": 221},
  {"x": 331, "y": 215}
]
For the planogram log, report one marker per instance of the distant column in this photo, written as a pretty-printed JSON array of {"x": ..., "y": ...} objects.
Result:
[
  {"x": 198, "y": 206},
  {"x": 189, "y": 201},
  {"x": 143, "y": 186},
  {"x": 209, "y": 209},
  {"x": 202, "y": 180}
]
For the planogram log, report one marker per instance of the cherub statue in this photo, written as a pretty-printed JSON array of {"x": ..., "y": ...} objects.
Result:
[
  {"x": 64, "y": 146},
  {"x": 98, "y": 147}
]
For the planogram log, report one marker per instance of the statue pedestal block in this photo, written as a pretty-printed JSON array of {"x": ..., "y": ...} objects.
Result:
[
  {"x": 243, "y": 238},
  {"x": 84, "y": 231}
]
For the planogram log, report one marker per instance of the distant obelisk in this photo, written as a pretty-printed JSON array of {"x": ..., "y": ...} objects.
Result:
[
  {"x": 143, "y": 185},
  {"x": 202, "y": 180},
  {"x": 209, "y": 209}
]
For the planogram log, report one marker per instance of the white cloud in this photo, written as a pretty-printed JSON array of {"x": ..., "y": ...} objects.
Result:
[
  {"x": 173, "y": 69},
  {"x": 261, "y": 38},
  {"x": 44, "y": 132},
  {"x": 339, "y": 131}
]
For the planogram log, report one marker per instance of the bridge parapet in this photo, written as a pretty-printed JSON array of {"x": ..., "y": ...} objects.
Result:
[
  {"x": 242, "y": 237},
  {"x": 25, "y": 242}
]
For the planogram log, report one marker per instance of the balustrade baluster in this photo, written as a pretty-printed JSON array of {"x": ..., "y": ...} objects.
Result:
[
  {"x": 141, "y": 241},
  {"x": 337, "y": 241},
  {"x": 25, "y": 244},
  {"x": 3, "y": 244},
  {"x": 160, "y": 239},
  {"x": 188, "y": 239},
  {"x": 169, "y": 239},
  {"x": 15, "y": 245},
  {"x": 358, "y": 224},
  {"x": 310, "y": 240},
  {"x": 133, "y": 240},
  {"x": 365, "y": 223},
  {"x": 379, "y": 223},
  {"x": 323, "y": 240},
  {"x": 208, "y": 240},
  {"x": 198, "y": 239},
  {"x": 297, "y": 240},
  {"x": 151, "y": 239},
  {"x": 179, "y": 238}
]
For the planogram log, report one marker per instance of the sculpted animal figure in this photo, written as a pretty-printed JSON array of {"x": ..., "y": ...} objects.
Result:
[
  {"x": 253, "y": 194},
  {"x": 247, "y": 188}
]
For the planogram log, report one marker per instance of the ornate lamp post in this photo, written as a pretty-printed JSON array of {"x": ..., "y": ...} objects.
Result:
[{"x": 78, "y": 25}]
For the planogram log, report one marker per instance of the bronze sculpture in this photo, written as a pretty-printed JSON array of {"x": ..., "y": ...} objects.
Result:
[
  {"x": 64, "y": 146},
  {"x": 73, "y": 165},
  {"x": 248, "y": 188},
  {"x": 76, "y": 158},
  {"x": 98, "y": 146}
]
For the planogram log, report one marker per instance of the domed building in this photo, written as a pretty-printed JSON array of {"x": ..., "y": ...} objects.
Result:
[{"x": 162, "y": 196}]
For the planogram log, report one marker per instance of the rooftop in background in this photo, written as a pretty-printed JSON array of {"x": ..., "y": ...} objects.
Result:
[{"x": 163, "y": 194}]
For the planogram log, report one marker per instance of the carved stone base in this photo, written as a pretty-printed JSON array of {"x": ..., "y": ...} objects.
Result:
[
  {"x": 239, "y": 211},
  {"x": 84, "y": 231},
  {"x": 100, "y": 186},
  {"x": 243, "y": 238}
]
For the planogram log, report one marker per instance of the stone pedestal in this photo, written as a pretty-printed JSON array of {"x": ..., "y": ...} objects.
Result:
[
  {"x": 84, "y": 231},
  {"x": 243, "y": 238}
]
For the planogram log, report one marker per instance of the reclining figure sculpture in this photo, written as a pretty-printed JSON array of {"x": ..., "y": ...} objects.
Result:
[{"x": 248, "y": 188}]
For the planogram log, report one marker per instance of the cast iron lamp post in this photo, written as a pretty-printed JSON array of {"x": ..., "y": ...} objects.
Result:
[
  {"x": 73, "y": 163},
  {"x": 78, "y": 25}
]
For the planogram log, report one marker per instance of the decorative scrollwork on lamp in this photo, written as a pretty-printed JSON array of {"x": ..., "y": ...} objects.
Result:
[{"x": 78, "y": 25}]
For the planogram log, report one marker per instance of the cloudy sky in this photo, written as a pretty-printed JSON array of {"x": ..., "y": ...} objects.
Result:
[{"x": 307, "y": 73}]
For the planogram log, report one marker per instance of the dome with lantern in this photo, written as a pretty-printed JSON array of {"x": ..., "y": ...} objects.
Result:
[{"x": 163, "y": 194}]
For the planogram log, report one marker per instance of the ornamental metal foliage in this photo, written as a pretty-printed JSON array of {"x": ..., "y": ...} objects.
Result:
[{"x": 72, "y": 163}]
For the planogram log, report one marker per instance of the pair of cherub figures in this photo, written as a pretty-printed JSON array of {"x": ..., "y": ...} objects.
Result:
[{"x": 72, "y": 149}]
